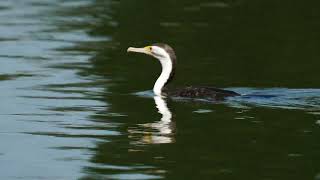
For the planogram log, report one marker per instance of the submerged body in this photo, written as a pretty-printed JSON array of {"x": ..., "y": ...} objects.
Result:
[
  {"x": 165, "y": 54},
  {"x": 200, "y": 92}
]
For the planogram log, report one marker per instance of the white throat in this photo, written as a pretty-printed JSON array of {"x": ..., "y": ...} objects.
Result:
[{"x": 166, "y": 64}]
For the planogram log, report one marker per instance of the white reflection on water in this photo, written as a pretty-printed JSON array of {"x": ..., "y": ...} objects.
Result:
[
  {"x": 160, "y": 131},
  {"x": 164, "y": 126}
]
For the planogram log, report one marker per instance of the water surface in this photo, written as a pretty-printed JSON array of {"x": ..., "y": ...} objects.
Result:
[{"x": 74, "y": 105}]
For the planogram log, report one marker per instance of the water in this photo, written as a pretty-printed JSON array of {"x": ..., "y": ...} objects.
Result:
[{"x": 75, "y": 105}]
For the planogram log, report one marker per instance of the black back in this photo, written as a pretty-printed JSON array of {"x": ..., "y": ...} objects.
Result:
[{"x": 202, "y": 92}]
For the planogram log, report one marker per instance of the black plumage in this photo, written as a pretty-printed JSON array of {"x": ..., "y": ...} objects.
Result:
[
  {"x": 202, "y": 92},
  {"x": 191, "y": 91}
]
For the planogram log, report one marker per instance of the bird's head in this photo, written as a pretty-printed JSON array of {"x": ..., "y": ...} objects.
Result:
[{"x": 162, "y": 52}]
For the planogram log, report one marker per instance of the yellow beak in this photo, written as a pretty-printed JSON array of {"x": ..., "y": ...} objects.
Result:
[{"x": 145, "y": 50}]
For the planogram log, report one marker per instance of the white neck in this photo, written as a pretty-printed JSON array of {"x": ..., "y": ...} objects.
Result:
[{"x": 166, "y": 64}]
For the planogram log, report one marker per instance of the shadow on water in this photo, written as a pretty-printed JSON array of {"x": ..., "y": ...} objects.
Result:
[{"x": 70, "y": 101}]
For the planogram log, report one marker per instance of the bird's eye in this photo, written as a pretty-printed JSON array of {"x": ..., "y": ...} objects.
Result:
[{"x": 150, "y": 48}]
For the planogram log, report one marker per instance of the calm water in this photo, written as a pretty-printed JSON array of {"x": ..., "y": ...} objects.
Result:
[{"x": 75, "y": 105}]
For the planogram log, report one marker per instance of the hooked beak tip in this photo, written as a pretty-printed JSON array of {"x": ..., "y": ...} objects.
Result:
[{"x": 129, "y": 49}]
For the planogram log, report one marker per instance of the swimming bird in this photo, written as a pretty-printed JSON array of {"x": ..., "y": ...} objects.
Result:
[{"x": 167, "y": 57}]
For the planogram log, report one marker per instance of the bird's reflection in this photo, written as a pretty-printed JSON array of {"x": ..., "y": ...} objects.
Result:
[{"x": 160, "y": 131}]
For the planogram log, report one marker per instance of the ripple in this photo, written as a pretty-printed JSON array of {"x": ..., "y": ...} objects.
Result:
[
  {"x": 303, "y": 99},
  {"x": 202, "y": 111},
  {"x": 5, "y": 77}
]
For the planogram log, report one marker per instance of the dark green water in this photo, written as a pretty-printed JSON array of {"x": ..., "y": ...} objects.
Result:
[{"x": 75, "y": 105}]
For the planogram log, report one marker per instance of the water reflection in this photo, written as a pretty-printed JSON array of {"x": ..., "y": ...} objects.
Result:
[
  {"x": 158, "y": 132},
  {"x": 65, "y": 85},
  {"x": 302, "y": 99},
  {"x": 165, "y": 126}
]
